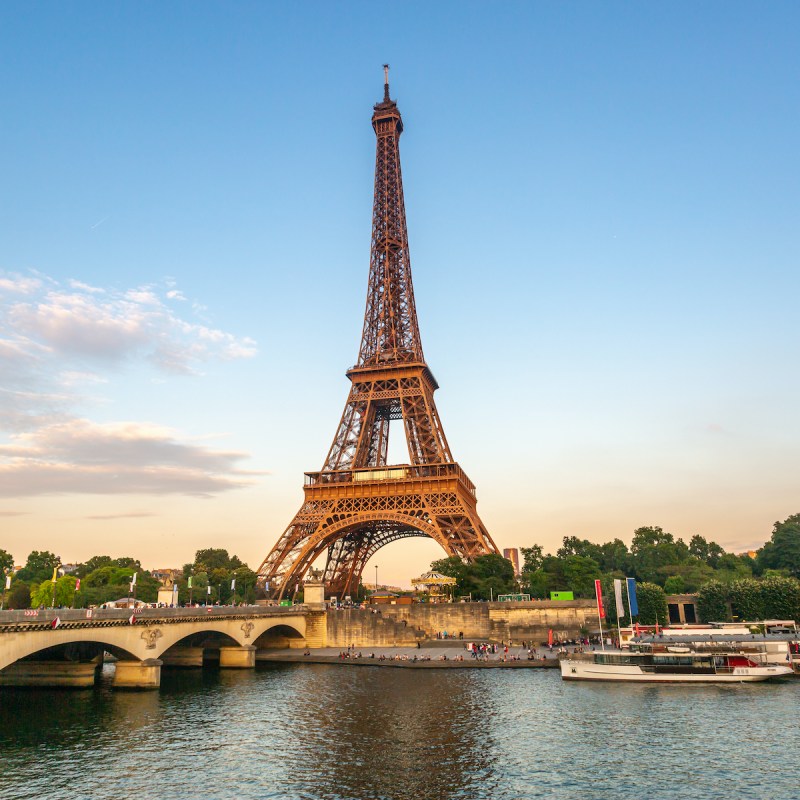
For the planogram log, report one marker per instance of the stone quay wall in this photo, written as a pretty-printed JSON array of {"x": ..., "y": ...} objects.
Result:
[{"x": 403, "y": 625}]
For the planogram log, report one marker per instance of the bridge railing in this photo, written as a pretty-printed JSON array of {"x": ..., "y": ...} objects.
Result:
[{"x": 93, "y": 615}]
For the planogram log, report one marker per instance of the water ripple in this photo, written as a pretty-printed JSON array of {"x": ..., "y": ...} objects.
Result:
[{"x": 321, "y": 732}]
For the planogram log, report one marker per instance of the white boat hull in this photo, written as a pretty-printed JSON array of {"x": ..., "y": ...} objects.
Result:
[{"x": 589, "y": 671}]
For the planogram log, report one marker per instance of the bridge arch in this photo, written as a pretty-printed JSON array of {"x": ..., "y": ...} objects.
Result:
[{"x": 98, "y": 640}]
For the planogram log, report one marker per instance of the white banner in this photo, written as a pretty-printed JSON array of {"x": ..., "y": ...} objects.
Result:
[{"x": 618, "y": 597}]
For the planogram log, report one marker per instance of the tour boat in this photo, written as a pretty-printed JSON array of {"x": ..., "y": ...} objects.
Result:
[{"x": 673, "y": 664}]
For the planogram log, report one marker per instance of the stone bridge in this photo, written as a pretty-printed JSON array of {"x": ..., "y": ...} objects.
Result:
[{"x": 66, "y": 647}]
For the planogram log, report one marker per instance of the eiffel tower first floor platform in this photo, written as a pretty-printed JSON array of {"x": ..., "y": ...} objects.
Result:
[{"x": 351, "y": 514}]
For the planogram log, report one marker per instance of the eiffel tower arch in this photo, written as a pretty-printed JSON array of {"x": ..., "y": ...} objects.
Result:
[{"x": 358, "y": 503}]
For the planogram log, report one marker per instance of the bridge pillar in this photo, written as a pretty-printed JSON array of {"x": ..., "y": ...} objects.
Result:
[
  {"x": 183, "y": 657},
  {"x": 317, "y": 628},
  {"x": 67, "y": 674},
  {"x": 237, "y": 657},
  {"x": 138, "y": 674}
]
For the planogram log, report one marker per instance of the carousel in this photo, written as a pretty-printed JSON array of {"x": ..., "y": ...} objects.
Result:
[{"x": 438, "y": 587}]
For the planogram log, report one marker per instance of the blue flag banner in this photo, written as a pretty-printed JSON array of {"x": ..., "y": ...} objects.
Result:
[{"x": 633, "y": 606}]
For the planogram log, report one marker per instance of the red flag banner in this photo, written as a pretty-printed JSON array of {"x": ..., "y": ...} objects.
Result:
[
  {"x": 78, "y": 585},
  {"x": 598, "y": 589},
  {"x": 550, "y": 638}
]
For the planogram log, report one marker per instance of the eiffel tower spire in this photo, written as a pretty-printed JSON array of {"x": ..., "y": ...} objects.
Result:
[
  {"x": 357, "y": 503},
  {"x": 391, "y": 331}
]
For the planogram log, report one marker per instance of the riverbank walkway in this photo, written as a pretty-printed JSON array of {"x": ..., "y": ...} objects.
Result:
[{"x": 430, "y": 655}]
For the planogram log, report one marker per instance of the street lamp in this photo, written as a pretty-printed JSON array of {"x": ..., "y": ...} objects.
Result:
[{"x": 376, "y": 578}]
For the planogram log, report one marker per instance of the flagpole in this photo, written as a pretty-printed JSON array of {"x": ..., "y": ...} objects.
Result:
[
  {"x": 598, "y": 591},
  {"x": 55, "y": 578}
]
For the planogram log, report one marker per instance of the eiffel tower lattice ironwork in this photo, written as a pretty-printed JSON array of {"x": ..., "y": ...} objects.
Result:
[{"x": 357, "y": 503}]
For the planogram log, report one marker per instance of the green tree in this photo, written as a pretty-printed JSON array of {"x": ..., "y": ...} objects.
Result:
[
  {"x": 64, "y": 592},
  {"x": 573, "y": 546},
  {"x": 747, "y": 602},
  {"x": 710, "y": 552},
  {"x": 652, "y": 604},
  {"x": 109, "y": 576},
  {"x": 246, "y": 584},
  {"x": 712, "y": 602},
  {"x": 39, "y": 566},
  {"x": 485, "y": 577},
  {"x": 493, "y": 575},
  {"x": 6, "y": 562},
  {"x": 536, "y": 584},
  {"x": 652, "y": 548},
  {"x": 216, "y": 558},
  {"x": 614, "y": 557},
  {"x": 781, "y": 598},
  {"x": 783, "y": 549},
  {"x": 580, "y": 573},
  {"x": 95, "y": 562},
  {"x": 674, "y": 585},
  {"x": 731, "y": 567},
  {"x": 19, "y": 595},
  {"x": 532, "y": 558},
  {"x": 693, "y": 572}
]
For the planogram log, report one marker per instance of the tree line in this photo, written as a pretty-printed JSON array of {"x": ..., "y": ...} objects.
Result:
[
  {"x": 728, "y": 584},
  {"x": 215, "y": 577}
]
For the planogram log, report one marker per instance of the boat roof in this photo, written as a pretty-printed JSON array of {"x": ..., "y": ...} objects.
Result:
[{"x": 715, "y": 637}]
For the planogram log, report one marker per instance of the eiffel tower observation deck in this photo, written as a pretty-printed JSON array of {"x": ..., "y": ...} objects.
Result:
[{"x": 358, "y": 502}]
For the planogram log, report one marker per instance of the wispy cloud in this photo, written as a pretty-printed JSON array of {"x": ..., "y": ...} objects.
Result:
[
  {"x": 112, "y": 326},
  {"x": 124, "y": 515},
  {"x": 13, "y": 513},
  {"x": 19, "y": 284},
  {"x": 58, "y": 344},
  {"x": 120, "y": 458}
]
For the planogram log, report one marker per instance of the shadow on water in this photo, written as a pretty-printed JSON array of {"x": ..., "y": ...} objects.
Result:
[{"x": 385, "y": 733}]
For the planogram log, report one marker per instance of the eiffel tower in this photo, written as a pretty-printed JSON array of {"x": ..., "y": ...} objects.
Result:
[{"x": 357, "y": 503}]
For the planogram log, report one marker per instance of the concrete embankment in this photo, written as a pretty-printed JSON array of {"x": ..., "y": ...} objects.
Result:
[{"x": 405, "y": 625}]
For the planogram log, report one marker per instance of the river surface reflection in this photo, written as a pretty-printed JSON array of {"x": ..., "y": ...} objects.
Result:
[{"x": 333, "y": 732}]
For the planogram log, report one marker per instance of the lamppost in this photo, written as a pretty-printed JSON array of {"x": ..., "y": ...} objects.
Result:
[
  {"x": 376, "y": 578},
  {"x": 6, "y": 587}
]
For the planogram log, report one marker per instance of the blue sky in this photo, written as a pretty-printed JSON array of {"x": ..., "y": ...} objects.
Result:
[{"x": 603, "y": 214}]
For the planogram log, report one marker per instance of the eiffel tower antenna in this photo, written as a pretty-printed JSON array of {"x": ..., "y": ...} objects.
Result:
[{"x": 358, "y": 503}]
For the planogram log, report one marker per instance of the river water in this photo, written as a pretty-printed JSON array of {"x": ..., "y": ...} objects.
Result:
[{"x": 331, "y": 732}]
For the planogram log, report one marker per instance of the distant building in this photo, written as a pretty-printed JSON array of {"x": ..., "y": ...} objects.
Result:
[
  {"x": 68, "y": 569},
  {"x": 167, "y": 576},
  {"x": 512, "y": 554}
]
